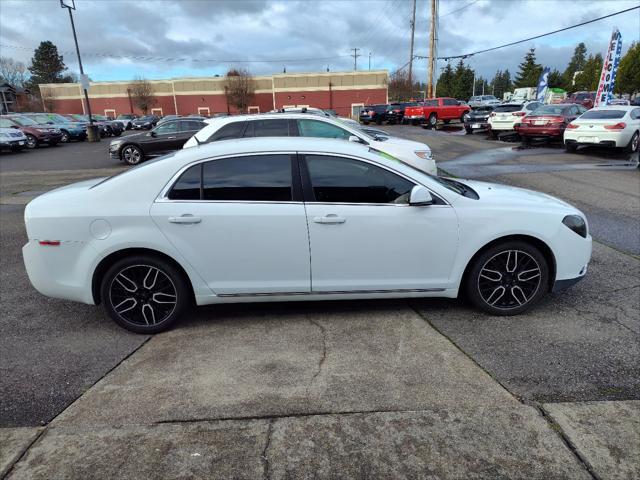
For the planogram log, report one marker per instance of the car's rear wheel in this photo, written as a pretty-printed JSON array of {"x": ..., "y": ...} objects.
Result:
[
  {"x": 433, "y": 120},
  {"x": 32, "y": 142},
  {"x": 633, "y": 143},
  {"x": 493, "y": 134},
  {"x": 508, "y": 278},
  {"x": 144, "y": 294},
  {"x": 132, "y": 155},
  {"x": 65, "y": 137},
  {"x": 570, "y": 147},
  {"x": 469, "y": 130}
]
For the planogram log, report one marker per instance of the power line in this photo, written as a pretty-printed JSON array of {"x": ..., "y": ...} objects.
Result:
[
  {"x": 535, "y": 37},
  {"x": 183, "y": 59},
  {"x": 459, "y": 9}
]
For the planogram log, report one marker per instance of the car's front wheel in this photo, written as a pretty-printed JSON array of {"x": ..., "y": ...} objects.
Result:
[
  {"x": 65, "y": 137},
  {"x": 132, "y": 155},
  {"x": 32, "y": 142},
  {"x": 144, "y": 294},
  {"x": 508, "y": 278}
]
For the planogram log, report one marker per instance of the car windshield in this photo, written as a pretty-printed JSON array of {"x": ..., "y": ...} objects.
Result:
[
  {"x": 508, "y": 108},
  {"x": 603, "y": 114},
  {"x": 550, "y": 110},
  {"x": 59, "y": 118},
  {"x": 41, "y": 118},
  {"x": 482, "y": 110},
  {"x": 24, "y": 121}
]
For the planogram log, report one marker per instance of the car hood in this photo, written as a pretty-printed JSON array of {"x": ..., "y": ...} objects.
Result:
[
  {"x": 506, "y": 195},
  {"x": 402, "y": 143},
  {"x": 130, "y": 138}
]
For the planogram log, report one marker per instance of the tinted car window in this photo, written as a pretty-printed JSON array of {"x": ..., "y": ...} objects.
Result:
[
  {"x": 343, "y": 180},
  {"x": 314, "y": 128},
  {"x": 532, "y": 106},
  {"x": 230, "y": 130},
  {"x": 4, "y": 123},
  {"x": 188, "y": 185},
  {"x": 450, "y": 101},
  {"x": 430, "y": 103},
  {"x": 603, "y": 114},
  {"x": 268, "y": 128},
  {"x": 635, "y": 113},
  {"x": 251, "y": 178},
  {"x": 166, "y": 128},
  {"x": 508, "y": 108},
  {"x": 191, "y": 126}
]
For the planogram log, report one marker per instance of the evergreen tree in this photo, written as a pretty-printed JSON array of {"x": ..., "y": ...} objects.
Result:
[
  {"x": 576, "y": 64},
  {"x": 501, "y": 83},
  {"x": 589, "y": 78},
  {"x": 444, "y": 87},
  {"x": 47, "y": 66},
  {"x": 462, "y": 81},
  {"x": 628, "y": 76},
  {"x": 556, "y": 79},
  {"x": 530, "y": 71}
]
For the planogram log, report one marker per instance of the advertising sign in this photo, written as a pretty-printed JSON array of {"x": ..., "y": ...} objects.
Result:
[
  {"x": 543, "y": 84},
  {"x": 609, "y": 70}
]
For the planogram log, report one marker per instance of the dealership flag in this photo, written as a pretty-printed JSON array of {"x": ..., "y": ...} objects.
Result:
[
  {"x": 609, "y": 70},
  {"x": 543, "y": 84}
]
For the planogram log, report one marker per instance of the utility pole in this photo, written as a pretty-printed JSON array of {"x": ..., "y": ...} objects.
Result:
[
  {"x": 432, "y": 49},
  {"x": 355, "y": 58},
  {"x": 369, "y": 60},
  {"x": 92, "y": 132},
  {"x": 413, "y": 33}
]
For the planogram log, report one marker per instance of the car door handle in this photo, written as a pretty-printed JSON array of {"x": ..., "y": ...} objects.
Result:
[
  {"x": 185, "y": 219},
  {"x": 170, "y": 138},
  {"x": 328, "y": 219}
]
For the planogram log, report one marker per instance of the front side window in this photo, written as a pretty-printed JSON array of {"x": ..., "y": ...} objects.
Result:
[
  {"x": 228, "y": 131},
  {"x": 344, "y": 180},
  {"x": 315, "y": 128},
  {"x": 450, "y": 101},
  {"x": 166, "y": 128}
]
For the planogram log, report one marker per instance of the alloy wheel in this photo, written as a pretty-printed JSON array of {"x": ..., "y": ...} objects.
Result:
[
  {"x": 65, "y": 137},
  {"x": 31, "y": 141},
  {"x": 143, "y": 295},
  {"x": 131, "y": 155},
  {"x": 509, "y": 279}
]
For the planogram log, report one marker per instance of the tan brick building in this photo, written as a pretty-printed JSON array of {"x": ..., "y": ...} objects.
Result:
[{"x": 342, "y": 91}]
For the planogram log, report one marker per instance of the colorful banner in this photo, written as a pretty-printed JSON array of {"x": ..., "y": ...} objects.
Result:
[
  {"x": 543, "y": 84},
  {"x": 609, "y": 70}
]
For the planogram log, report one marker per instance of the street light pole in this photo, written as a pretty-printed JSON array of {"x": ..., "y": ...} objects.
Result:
[{"x": 92, "y": 132}]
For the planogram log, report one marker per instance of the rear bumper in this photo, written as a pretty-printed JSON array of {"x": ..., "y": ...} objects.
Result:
[
  {"x": 607, "y": 139},
  {"x": 414, "y": 117},
  {"x": 539, "y": 131}
]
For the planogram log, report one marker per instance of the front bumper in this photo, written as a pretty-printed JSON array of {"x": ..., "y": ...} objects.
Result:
[
  {"x": 114, "y": 151},
  {"x": 17, "y": 144},
  {"x": 560, "y": 285}
]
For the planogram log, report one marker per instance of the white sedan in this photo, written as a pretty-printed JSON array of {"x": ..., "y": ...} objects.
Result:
[
  {"x": 504, "y": 117},
  {"x": 610, "y": 126},
  {"x": 284, "y": 219},
  {"x": 415, "y": 154}
]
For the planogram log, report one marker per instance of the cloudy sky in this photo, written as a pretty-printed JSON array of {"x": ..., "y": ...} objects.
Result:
[{"x": 121, "y": 40}]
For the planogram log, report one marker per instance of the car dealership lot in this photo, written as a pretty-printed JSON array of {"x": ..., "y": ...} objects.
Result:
[{"x": 357, "y": 389}]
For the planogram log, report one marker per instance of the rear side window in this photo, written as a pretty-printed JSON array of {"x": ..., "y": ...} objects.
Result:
[
  {"x": 230, "y": 130},
  {"x": 450, "y": 101},
  {"x": 603, "y": 114},
  {"x": 188, "y": 185},
  {"x": 344, "y": 180},
  {"x": 191, "y": 126},
  {"x": 315, "y": 128},
  {"x": 430, "y": 103},
  {"x": 251, "y": 178},
  {"x": 268, "y": 128}
]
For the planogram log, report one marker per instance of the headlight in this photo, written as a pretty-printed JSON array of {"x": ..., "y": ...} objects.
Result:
[
  {"x": 577, "y": 224},
  {"x": 42, "y": 129},
  {"x": 55, "y": 130},
  {"x": 424, "y": 154}
]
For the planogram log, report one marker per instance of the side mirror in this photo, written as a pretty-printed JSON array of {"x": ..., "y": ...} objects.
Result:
[
  {"x": 355, "y": 139},
  {"x": 420, "y": 196},
  {"x": 152, "y": 133},
  {"x": 49, "y": 123},
  {"x": 15, "y": 126}
]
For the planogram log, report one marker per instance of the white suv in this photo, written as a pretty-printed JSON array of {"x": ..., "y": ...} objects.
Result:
[
  {"x": 505, "y": 116},
  {"x": 416, "y": 154}
]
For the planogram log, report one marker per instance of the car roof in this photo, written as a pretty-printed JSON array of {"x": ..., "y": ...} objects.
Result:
[
  {"x": 268, "y": 115},
  {"x": 615, "y": 107}
]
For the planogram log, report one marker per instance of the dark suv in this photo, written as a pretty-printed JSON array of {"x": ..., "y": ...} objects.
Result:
[
  {"x": 395, "y": 111},
  {"x": 169, "y": 136},
  {"x": 374, "y": 113}
]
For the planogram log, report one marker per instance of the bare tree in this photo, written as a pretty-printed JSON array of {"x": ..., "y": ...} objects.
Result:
[
  {"x": 142, "y": 94},
  {"x": 13, "y": 72},
  {"x": 399, "y": 86},
  {"x": 239, "y": 88}
]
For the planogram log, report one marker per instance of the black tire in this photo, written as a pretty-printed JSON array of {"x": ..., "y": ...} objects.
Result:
[
  {"x": 32, "y": 142},
  {"x": 515, "y": 276},
  {"x": 378, "y": 121},
  {"x": 632, "y": 147},
  {"x": 131, "y": 155},
  {"x": 462, "y": 117},
  {"x": 433, "y": 120},
  {"x": 66, "y": 138},
  {"x": 570, "y": 147},
  {"x": 118, "y": 133},
  {"x": 469, "y": 130},
  {"x": 414, "y": 122},
  {"x": 53, "y": 144},
  {"x": 447, "y": 122},
  {"x": 526, "y": 141},
  {"x": 493, "y": 135},
  {"x": 156, "y": 291}
]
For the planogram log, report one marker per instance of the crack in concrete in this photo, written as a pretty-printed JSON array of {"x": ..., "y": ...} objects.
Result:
[
  {"x": 567, "y": 441},
  {"x": 323, "y": 357},
  {"x": 266, "y": 466}
]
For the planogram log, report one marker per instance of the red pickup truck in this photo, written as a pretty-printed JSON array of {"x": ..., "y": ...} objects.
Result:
[{"x": 430, "y": 111}]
